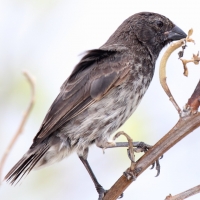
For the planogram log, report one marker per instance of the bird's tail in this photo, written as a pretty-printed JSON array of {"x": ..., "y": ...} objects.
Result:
[{"x": 26, "y": 164}]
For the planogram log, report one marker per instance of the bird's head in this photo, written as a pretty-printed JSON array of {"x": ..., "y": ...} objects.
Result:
[
  {"x": 155, "y": 30},
  {"x": 146, "y": 30}
]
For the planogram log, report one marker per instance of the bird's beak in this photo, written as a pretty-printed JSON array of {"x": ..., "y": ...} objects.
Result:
[{"x": 175, "y": 34}]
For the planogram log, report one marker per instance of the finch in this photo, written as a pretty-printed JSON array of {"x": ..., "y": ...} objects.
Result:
[{"x": 102, "y": 92}]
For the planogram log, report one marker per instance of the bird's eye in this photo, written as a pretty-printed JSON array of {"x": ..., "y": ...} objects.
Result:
[{"x": 159, "y": 24}]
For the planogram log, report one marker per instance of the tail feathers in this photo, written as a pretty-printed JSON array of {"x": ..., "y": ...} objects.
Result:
[{"x": 26, "y": 164}]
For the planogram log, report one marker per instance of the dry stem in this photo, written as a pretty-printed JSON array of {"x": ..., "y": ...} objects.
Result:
[
  {"x": 130, "y": 142},
  {"x": 31, "y": 81},
  {"x": 195, "y": 59},
  {"x": 162, "y": 71},
  {"x": 185, "y": 194}
]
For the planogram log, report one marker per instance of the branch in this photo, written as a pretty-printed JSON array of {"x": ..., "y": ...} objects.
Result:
[
  {"x": 184, "y": 195},
  {"x": 31, "y": 81},
  {"x": 192, "y": 107},
  {"x": 184, "y": 126}
]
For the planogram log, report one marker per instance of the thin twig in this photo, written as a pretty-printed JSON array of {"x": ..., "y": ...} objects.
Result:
[
  {"x": 130, "y": 142},
  {"x": 195, "y": 59},
  {"x": 185, "y": 194},
  {"x": 162, "y": 70},
  {"x": 31, "y": 81}
]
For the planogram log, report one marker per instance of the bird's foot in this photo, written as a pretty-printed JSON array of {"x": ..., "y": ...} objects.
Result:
[
  {"x": 156, "y": 164},
  {"x": 142, "y": 147},
  {"x": 102, "y": 192}
]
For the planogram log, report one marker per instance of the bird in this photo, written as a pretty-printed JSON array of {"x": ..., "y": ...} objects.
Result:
[{"x": 101, "y": 93}]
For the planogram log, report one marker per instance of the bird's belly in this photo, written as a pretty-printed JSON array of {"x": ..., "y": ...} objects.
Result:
[{"x": 104, "y": 117}]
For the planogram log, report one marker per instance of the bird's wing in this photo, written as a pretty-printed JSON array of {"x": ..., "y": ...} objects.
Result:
[{"x": 94, "y": 76}]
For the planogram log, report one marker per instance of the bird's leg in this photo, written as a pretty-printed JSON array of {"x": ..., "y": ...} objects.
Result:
[{"x": 98, "y": 187}]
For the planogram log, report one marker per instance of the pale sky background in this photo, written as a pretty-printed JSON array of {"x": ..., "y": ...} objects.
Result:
[{"x": 46, "y": 38}]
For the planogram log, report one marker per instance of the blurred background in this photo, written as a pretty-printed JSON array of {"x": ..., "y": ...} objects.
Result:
[{"x": 47, "y": 38}]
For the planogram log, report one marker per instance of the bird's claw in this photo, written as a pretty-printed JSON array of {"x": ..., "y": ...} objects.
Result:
[
  {"x": 121, "y": 196},
  {"x": 157, "y": 164},
  {"x": 142, "y": 147},
  {"x": 101, "y": 196},
  {"x": 102, "y": 192}
]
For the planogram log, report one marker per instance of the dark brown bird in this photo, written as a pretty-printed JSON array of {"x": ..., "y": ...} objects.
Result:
[{"x": 101, "y": 93}]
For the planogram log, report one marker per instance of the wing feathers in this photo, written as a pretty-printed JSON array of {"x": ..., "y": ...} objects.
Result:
[
  {"x": 97, "y": 73},
  {"x": 101, "y": 85}
]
